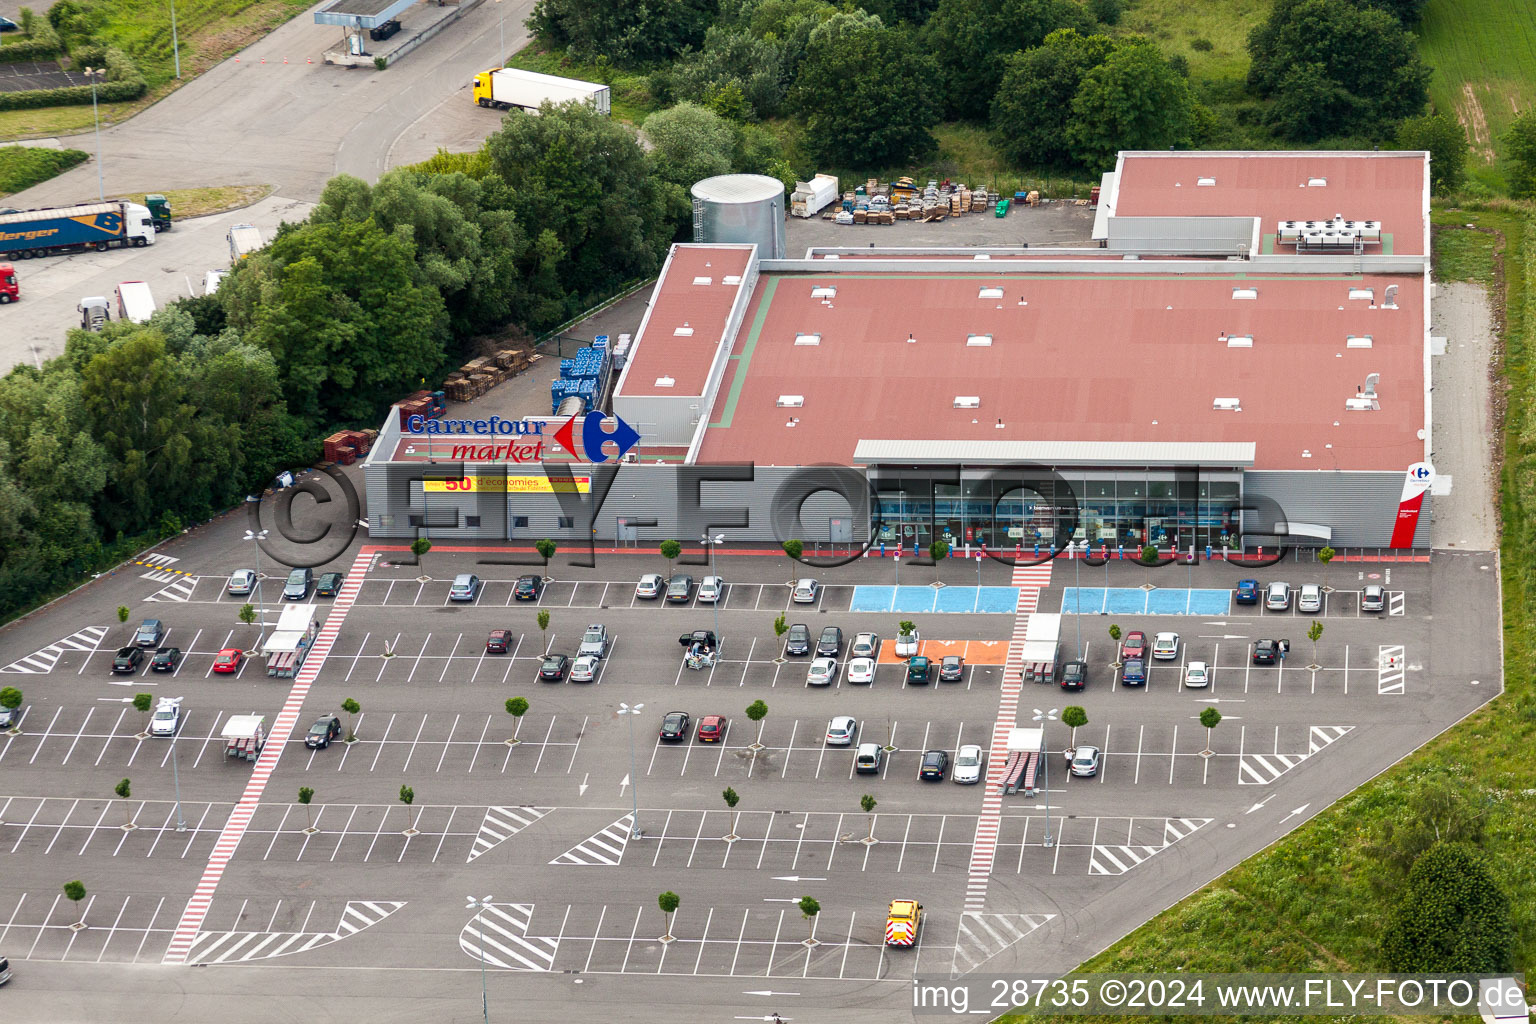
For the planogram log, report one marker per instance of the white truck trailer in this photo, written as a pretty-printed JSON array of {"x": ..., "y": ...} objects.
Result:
[
  {"x": 134, "y": 302},
  {"x": 503, "y": 88},
  {"x": 811, "y": 197},
  {"x": 244, "y": 239}
]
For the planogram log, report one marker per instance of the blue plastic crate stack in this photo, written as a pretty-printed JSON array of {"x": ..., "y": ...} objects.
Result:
[{"x": 585, "y": 376}]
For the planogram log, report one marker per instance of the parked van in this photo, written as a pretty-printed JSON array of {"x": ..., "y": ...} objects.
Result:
[{"x": 134, "y": 302}]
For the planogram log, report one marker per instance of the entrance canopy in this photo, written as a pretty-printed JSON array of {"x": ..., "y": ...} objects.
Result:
[{"x": 360, "y": 13}]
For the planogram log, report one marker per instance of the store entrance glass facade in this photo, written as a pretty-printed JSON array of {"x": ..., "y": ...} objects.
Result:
[{"x": 1108, "y": 508}]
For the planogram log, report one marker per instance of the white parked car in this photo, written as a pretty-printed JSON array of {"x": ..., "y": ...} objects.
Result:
[
  {"x": 822, "y": 672},
  {"x": 167, "y": 717},
  {"x": 842, "y": 730},
  {"x": 1277, "y": 596},
  {"x": 967, "y": 771},
  {"x": 584, "y": 670},
  {"x": 805, "y": 592},
  {"x": 865, "y": 645},
  {"x": 1165, "y": 646},
  {"x": 650, "y": 586},
  {"x": 711, "y": 589},
  {"x": 907, "y": 644},
  {"x": 1197, "y": 674},
  {"x": 861, "y": 670},
  {"x": 1310, "y": 598},
  {"x": 242, "y": 581}
]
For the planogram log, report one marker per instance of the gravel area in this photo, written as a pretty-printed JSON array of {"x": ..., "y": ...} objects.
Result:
[{"x": 1463, "y": 419}]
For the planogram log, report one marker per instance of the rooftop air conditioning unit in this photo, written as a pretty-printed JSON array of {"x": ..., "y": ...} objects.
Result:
[
  {"x": 990, "y": 293},
  {"x": 978, "y": 340},
  {"x": 1361, "y": 404},
  {"x": 1358, "y": 341},
  {"x": 807, "y": 339}
]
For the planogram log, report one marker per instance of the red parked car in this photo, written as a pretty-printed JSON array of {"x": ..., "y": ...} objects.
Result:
[
  {"x": 711, "y": 729},
  {"x": 228, "y": 660},
  {"x": 1134, "y": 645},
  {"x": 500, "y": 641}
]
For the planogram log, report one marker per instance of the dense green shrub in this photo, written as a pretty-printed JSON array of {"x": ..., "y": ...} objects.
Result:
[{"x": 24, "y": 166}]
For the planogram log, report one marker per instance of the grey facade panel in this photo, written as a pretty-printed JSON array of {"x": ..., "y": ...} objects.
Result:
[{"x": 1361, "y": 508}]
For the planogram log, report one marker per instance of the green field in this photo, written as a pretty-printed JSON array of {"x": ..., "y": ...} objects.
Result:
[
  {"x": 1175, "y": 24},
  {"x": 1484, "y": 56}
]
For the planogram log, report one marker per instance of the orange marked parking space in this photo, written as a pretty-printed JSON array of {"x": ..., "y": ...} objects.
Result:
[{"x": 975, "y": 652}]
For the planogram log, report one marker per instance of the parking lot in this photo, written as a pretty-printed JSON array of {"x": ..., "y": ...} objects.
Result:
[{"x": 593, "y": 825}]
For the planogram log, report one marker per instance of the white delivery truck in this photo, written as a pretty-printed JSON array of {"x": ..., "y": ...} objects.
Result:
[
  {"x": 212, "y": 279},
  {"x": 811, "y": 197},
  {"x": 244, "y": 239},
  {"x": 134, "y": 302},
  {"x": 510, "y": 87}
]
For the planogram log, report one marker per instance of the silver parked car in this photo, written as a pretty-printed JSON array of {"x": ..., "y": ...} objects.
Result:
[
  {"x": 1310, "y": 598},
  {"x": 1373, "y": 598}
]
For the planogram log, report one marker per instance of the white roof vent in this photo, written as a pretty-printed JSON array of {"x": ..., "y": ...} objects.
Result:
[
  {"x": 682, "y": 332},
  {"x": 665, "y": 382},
  {"x": 731, "y": 279},
  {"x": 982, "y": 256},
  {"x": 791, "y": 401},
  {"x": 1227, "y": 405},
  {"x": 1368, "y": 294},
  {"x": 1389, "y": 301},
  {"x": 1245, "y": 293},
  {"x": 1317, "y": 182},
  {"x": 1205, "y": 181},
  {"x": 807, "y": 339},
  {"x": 831, "y": 256},
  {"x": 978, "y": 340},
  {"x": 1358, "y": 341},
  {"x": 703, "y": 280},
  {"x": 1239, "y": 341},
  {"x": 990, "y": 293},
  {"x": 1361, "y": 404},
  {"x": 967, "y": 401},
  {"x": 824, "y": 291}
]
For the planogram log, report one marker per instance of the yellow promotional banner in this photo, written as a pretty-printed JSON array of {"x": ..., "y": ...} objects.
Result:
[{"x": 530, "y": 484}]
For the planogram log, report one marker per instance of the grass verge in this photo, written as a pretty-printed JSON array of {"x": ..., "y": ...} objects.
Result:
[
  {"x": 202, "y": 202},
  {"x": 22, "y": 167},
  {"x": 1315, "y": 900}
]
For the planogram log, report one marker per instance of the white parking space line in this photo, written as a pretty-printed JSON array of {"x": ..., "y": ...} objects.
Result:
[
  {"x": 46, "y": 732},
  {"x": 412, "y": 751},
  {"x": 448, "y": 661}
]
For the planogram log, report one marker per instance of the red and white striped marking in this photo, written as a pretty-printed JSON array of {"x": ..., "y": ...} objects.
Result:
[
  {"x": 1030, "y": 579},
  {"x": 240, "y": 818}
]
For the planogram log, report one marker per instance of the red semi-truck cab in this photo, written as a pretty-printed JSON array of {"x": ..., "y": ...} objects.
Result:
[{"x": 9, "y": 290}]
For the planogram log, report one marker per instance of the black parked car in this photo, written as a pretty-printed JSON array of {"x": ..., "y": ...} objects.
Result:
[
  {"x": 679, "y": 588},
  {"x": 127, "y": 660},
  {"x": 919, "y": 670},
  {"x": 554, "y": 668},
  {"x": 935, "y": 764},
  {"x": 1074, "y": 675},
  {"x": 1265, "y": 652},
  {"x": 322, "y": 732},
  {"x": 798, "y": 640},
  {"x": 703, "y": 637},
  {"x": 166, "y": 659},
  {"x": 528, "y": 588},
  {"x": 330, "y": 584},
  {"x": 674, "y": 727},
  {"x": 831, "y": 643}
]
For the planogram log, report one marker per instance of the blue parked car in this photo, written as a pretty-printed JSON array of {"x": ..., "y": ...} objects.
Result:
[
  {"x": 1247, "y": 592},
  {"x": 1135, "y": 673}
]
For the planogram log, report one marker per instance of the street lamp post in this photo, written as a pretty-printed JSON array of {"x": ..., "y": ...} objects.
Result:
[
  {"x": 258, "y": 536},
  {"x": 93, "y": 74},
  {"x": 711, "y": 542},
  {"x": 634, "y": 790},
  {"x": 478, "y": 906},
  {"x": 1077, "y": 572},
  {"x": 175, "y": 46},
  {"x": 1043, "y": 717}
]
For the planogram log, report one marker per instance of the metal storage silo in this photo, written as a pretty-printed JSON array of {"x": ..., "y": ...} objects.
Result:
[{"x": 741, "y": 208}]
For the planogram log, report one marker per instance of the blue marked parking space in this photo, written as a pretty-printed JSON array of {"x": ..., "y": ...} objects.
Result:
[
  {"x": 953, "y": 600},
  {"x": 1135, "y": 601},
  {"x": 872, "y": 599}
]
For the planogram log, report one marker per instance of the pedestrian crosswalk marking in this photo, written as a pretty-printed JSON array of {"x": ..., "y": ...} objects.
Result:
[
  {"x": 982, "y": 936},
  {"x": 498, "y": 935},
  {"x": 501, "y": 824},
  {"x": 1396, "y": 602},
  {"x": 159, "y": 568},
  {"x": 180, "y": 589},
  {"x": 1262, "y": 769},
  {"x": 234, "y": 947},
  {"x": 1107, "y": 859},
  {"x": 606, "y": 847},
  {"x": 87, "y": 639},
  {"x": 1390, "y": 668}
]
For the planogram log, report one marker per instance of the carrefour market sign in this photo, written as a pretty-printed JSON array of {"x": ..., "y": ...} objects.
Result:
[{"x": 495, "y": 425}]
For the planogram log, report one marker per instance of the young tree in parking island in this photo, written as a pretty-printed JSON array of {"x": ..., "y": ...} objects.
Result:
[
  {"x": 123, "y": 613},
  {"x": 306, "y": 794},
  {"x": 543, "y": 620},
  {"x": 10, "y": 700},
  {"x": 546, "y": 549},
  {"x": 793, "y": 548},
  {"x": 1315, "y": 633},
  {"x": 780, "y": 626},
  {"x": 869, "y": 803},
  {"x": 757, "y": 711},
  {"x": 408, "y": 797},
  {"x": 247, "y": 613},
  {"x": 351, "y": 707},
  {"x": 420, "y": 546},
  {"x": 938, "y": 551},
  {"x": 125, "y": 790},
  {"x": 1115, "y": 634},
  {"x": 670, "y": 549},
  {"x": 668, "y": 902},
  {"x": 732, "y": 798},
  {"x": 809, "y": 908},
  {"x": 517, "y": 707},
  {"x": 1210, "y": 718},
  {"x": 75, "y": 892},
  {"x": 1326, "y": 555},
  {"x": 1074, "y": 717},
  {"x": 143, "y": 702}
]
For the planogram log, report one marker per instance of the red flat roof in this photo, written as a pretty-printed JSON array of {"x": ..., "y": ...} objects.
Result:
[
  {"x": 682, "y": 301},
  {"x": 1089, "y": 358},
  {"x": 1386, "y": 187}
]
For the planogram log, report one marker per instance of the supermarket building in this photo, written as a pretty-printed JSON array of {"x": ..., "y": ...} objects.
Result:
[{"x": 1242, "y": 357}]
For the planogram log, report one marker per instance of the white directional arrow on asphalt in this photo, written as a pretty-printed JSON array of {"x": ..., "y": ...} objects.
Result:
[
  {"x": 1221, "y": 700},
  {"x": 582, "y": 789},
  {"x": 1296, "y": 812},
  {"x": 623, "y": 785},
  {"x": 117, "y": 700},
  {"x": 1261, "y": 803},
  {"x": 1222, "y": 636},
  {"x": 1222, "y": 623},
  {"x": 765, "y": 992},
  {"x": 796, "y": 878},
  {"x": 779, "y": 899}
]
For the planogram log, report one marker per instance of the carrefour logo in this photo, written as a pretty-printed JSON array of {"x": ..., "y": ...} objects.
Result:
[
  {"x": 1420, "y": 472},
  {"x": 593, "y": 436}
]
